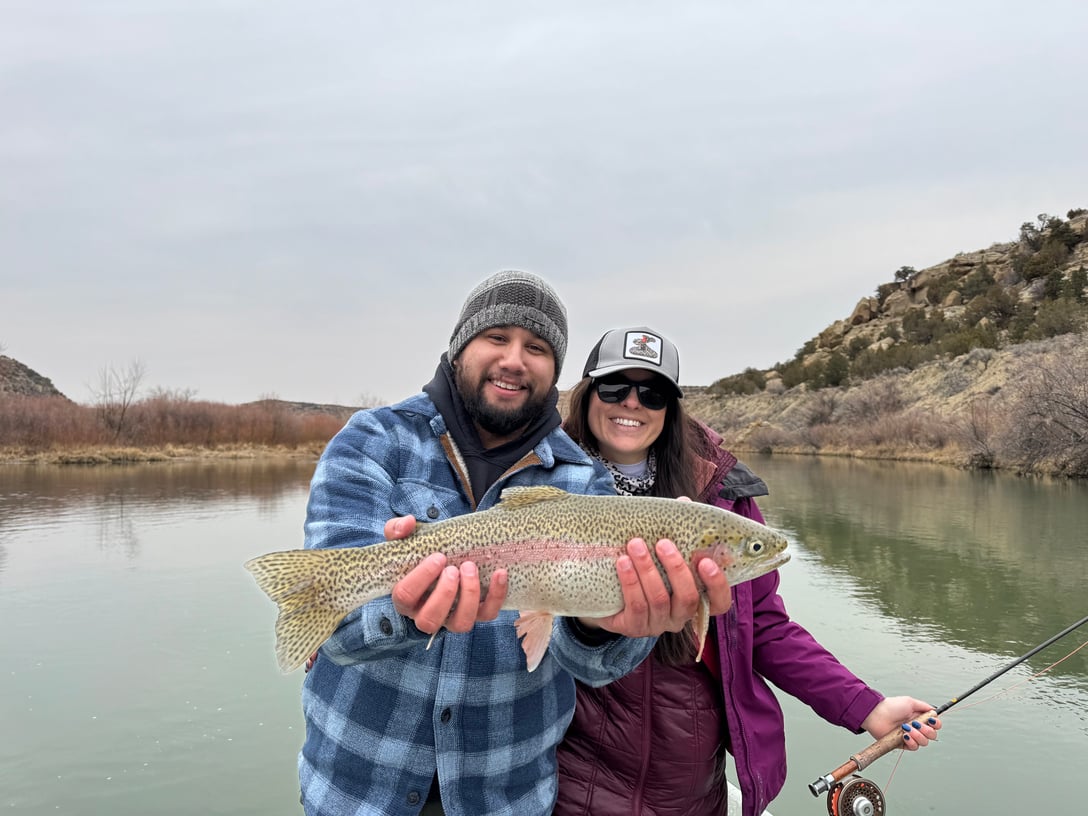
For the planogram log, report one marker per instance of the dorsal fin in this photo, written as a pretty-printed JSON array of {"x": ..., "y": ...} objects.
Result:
[{"x": 514, "y": 497}]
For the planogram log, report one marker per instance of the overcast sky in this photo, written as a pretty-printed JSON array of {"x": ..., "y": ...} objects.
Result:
[{"x": 260, "y": 198}]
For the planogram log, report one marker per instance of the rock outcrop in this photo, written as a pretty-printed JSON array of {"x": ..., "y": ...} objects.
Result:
[{"x": 16, "y": 378}]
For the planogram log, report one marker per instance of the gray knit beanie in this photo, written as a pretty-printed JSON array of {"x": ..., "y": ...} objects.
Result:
[{"x": 513, "y": 299}]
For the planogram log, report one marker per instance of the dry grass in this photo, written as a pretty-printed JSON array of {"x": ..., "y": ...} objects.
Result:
[
  {"x": 1024, "y": 408},
  {"x": 53, "y": 429}
]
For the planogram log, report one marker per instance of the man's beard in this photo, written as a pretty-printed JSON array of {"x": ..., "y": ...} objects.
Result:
[{"x": 494, "y": 420}]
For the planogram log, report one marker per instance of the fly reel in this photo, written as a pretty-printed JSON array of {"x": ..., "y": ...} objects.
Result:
[{"x": 855, "y": 796}]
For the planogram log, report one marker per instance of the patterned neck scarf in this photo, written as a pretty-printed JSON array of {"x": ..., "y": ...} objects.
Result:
[{"x": 628, "y": 485}]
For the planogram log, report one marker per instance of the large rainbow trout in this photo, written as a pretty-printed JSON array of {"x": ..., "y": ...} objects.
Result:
[{"x": 559, "y": 550}]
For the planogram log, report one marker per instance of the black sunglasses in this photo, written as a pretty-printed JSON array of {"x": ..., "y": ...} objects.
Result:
[{"x": 616, "y": 389}]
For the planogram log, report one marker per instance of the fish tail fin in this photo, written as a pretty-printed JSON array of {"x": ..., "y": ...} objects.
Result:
[{"x": 307, "y": 613}]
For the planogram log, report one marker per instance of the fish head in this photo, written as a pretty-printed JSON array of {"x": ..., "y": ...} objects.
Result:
[{"x": 744, "y": 555}]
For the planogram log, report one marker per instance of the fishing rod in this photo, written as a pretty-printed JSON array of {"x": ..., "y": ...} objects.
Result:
[{"x": 861, "y": 797}]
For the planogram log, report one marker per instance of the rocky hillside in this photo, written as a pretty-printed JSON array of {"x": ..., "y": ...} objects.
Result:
[
  {"x": 968, "y": 361},
  {"x": 981, "y": 360},
  {"x": 1015, "y": 292},
  {"x": 951, "y": 287},
  {"x": 16, "y": 378}
]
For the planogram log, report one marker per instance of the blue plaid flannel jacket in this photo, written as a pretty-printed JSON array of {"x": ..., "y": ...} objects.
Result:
[{"x": 383, "y": 713}]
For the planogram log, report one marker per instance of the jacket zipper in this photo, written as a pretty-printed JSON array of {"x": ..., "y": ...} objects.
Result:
[
  {"x": 729, "y": 635},
  {"x": 647, "y": 734}
]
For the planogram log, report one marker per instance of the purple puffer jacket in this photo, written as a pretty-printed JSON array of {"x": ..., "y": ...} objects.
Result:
[{"x": 650, "y": 743}]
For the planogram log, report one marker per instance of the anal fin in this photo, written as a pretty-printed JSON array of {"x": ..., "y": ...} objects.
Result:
[{"x": 535, "y": 631}]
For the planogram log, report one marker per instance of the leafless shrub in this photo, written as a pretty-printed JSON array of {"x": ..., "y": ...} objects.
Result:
[
  {"x": 40, "y": 423},
  {"x": 822, "y": 410},
  {"x": 879, "y": 398},
  {"x": 902, "y": 431},
  {"x": 765, "y": 438},
  {"x": 1049, "y": 416},
  {"x": 821, "y": 436},
  {"x": 45, "y": 423},
  {"x": 977, "y": 432}
]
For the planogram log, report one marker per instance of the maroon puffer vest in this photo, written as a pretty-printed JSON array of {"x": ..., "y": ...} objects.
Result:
[{"x": 682, "y": 774}]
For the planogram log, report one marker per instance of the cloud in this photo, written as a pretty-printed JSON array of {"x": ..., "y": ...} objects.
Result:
[{"x": 294, "y": 198}]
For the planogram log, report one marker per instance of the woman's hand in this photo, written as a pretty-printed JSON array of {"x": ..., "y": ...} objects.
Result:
[
  {"x": 649, "y": 609},
  {"x": 916, "y": 719}
]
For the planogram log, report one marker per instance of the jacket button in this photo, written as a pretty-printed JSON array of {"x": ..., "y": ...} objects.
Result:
[
  {"x": 446, "y": 715},
  {"x": 413, "y": 798},
  {"x": 386, "y": 626},
  {"x": 432, "y": 512}
]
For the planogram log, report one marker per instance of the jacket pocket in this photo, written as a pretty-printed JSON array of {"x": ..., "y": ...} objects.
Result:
[{"x": 427, "y": 502}]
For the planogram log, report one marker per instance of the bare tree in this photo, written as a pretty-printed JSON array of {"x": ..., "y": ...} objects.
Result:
[
  {"x": 1050, "y": 415},
  {"x": 976, "y": 432},
  {"x": 368, "y": 400},
  {"x": 116, "y": 391}
]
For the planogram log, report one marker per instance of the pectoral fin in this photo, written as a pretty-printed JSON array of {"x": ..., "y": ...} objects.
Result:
[{"x": 535, "y": 631}]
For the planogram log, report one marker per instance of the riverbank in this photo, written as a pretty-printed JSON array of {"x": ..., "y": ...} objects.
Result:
[
  {"x": 119, "y": 455},
  {"x": 128, "y": 455},
  {"x": 1022, "y": 409}
]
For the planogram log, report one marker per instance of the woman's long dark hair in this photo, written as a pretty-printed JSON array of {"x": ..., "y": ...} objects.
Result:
[{"x": 677, "y": 450}]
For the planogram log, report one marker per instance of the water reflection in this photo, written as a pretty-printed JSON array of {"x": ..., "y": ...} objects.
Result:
[
  {"x": 143, "y": 651},
  {"x": 35, "y": 499},
  {"x": 142, "y": 654},
  {"x": 990, "y": 562}
]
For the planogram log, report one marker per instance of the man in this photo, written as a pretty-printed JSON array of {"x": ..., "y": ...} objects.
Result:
[{"x": 461, "y": 727}]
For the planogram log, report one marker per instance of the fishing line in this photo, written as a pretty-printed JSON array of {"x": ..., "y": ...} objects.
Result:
[
  {"x": 1012, "y": 665},
  {"x": 1026, "y": 680},
  {"x": 991, "y": 698},
  {"x": 860, "y": 789}
]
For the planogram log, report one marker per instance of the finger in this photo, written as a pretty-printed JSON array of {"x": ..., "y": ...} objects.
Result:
[
  {"x": 685, "y": 592},
  {"x": 924, "y": 727},
  {"x": 399, "y": 527},
  {"x": 909, "y": 743},
  {"x": 920, "y": 739},
  {"x": 659, "y": 601},
  {"x": 435, "y": 610},
  {"x": 463, "y": 616},
  {"x": 716, "y": 586},
  {"x": 496, "y": 595},
  {"x": 634, "y": 599},
  {"x": 411, "y": 590}
]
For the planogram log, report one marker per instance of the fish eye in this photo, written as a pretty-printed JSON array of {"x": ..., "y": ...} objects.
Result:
[{"x": 755, "y": 547}]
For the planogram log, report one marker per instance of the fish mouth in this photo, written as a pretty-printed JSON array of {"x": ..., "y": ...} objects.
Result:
[
  {"x": 780, "y": 559},
  {"x": 758, "y": 567}
]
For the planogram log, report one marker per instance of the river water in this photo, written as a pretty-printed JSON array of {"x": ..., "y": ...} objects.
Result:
[{"x": 140, "y": 676}]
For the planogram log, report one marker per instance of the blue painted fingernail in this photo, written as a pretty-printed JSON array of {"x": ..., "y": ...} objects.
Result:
[
  {"x": 906, "y": 738},
  {"x": 917, "y": 724},
  {"x": 906, "y": 727},
  {"x": 931, "y": 721}
]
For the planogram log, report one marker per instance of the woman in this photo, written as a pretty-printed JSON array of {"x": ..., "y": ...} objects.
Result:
[{"x": 655, "y": 741}]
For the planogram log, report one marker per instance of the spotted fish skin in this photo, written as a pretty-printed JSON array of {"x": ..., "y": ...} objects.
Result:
[{"x": 559, "y": 550}]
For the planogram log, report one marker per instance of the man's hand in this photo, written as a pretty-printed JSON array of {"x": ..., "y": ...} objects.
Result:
[
  {"x": 435, "y": 594},
  {"x": 649, "y": 609}
]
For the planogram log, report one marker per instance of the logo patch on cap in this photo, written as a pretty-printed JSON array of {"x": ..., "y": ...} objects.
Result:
[{"x": 642, "y": 346}]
